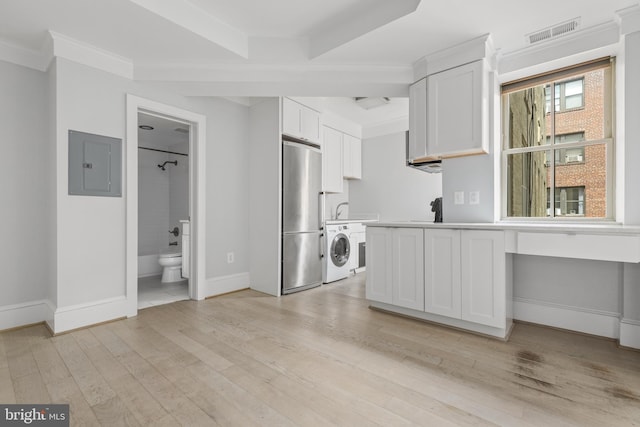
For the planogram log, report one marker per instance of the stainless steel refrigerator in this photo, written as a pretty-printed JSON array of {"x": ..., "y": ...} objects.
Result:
[{"x": 301, "y": 217}]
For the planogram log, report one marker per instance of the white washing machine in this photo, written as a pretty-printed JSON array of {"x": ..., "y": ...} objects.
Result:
[{"x": 337, "y": 251}]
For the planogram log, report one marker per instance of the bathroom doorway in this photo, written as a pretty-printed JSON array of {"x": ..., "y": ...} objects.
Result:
[
  {"x": 165, "y": 196},
  {"x": 163, "y": 210}
]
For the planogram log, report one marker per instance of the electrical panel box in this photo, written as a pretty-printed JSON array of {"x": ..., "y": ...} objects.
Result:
[{"x": 95, "y": 165}]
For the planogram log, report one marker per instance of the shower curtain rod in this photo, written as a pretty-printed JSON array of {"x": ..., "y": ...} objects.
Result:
[{"x": 163, "y": 151}]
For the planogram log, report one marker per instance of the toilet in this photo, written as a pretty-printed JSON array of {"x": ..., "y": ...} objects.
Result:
[{"x": 171, "y": 261}]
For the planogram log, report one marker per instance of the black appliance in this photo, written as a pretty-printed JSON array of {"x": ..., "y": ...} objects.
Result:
[{"x": 436, "y": 206}]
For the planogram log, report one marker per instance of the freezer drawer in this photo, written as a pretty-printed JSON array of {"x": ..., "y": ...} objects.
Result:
[{"x": 301, "y": 261}]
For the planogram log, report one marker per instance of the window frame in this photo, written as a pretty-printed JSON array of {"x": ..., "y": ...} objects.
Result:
[{"x": 559, "y": 76}]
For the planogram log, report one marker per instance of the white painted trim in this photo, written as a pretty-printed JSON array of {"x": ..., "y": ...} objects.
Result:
[
  {"x": 630, "y": 333},
  {"x": 590, "y": 43},
  {"x": 501, "y": 333},
  {"x": 82, "y": 53},
  {"x": 197, "y": 189},
  {"x": 629, "y": 19},
  {"x": 26, "y": 313},
  {"x": 82, "y": 315},
  {"x": 594, "y": 322},
  {"x": 22, "y": 56},
  {"x": 225, "y": 284}
]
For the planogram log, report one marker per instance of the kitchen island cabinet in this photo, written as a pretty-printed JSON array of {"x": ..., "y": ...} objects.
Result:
[
  {"x": 450, "y": 276},
  {"x": 395, "y": 266}
]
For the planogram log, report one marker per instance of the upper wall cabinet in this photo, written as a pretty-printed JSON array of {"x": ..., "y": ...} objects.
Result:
[
  {"x": 418, "y": 120},
  {"x": 457, "y": 111},
  {"x": 300, "y": 121},
  {"x": 351, "y": 157},
  {"x": 332, "y": 161}
]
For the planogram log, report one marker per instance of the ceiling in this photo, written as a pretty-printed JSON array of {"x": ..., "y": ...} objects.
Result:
[
  {"x": 322, "y": 48},
  {"x": 248, "y": 31}
]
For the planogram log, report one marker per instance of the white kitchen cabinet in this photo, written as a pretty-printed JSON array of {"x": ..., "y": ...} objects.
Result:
[
  {"x": 457, "y": 111},
  {"x": 300, "y": 121},
  {"x": 466, "y": 275},
  {"x": 332, "y": 160},
  {"x": 417, "y": 120},
  {"x": 352, "y": 157},
  {"x": 408, "y": 268},
  {"x": 483, "y": 283},
  {"x": 379, "y": 264},
  {"x": 442, "y": 272},
  {"x": 395, "y": 266}
]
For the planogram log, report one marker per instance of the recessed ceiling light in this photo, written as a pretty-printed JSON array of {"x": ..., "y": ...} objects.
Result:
[{"x": 146, "y": 127}]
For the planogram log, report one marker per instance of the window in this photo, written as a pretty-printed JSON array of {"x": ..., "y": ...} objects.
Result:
[
  {"x": 568, "y": 201},
  {"x": 568, "y": 95},
  {"x": 577, "y": 134}
]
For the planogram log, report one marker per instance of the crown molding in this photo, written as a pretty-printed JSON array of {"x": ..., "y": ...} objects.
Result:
[
  {"x": 629, "y": 19},
  {"x": 37, "y": 60},
  {"x": 598, "y": 40},
  {"x": 82, "y": 53}
]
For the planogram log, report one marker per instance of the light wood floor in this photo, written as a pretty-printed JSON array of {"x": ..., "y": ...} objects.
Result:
[{"x": 316, "y": 358}]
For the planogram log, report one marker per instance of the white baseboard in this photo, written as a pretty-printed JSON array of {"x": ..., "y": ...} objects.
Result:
[
  {"x": 225, "y": 284},
  {"x": 594, "y": 322},
  {"x": 27, "y": 313},
  {"x": 630, "y": 333},
  {"x": 81, "y": 315}
]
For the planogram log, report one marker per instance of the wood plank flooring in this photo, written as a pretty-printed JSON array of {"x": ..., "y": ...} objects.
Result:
[{"x": 316, "y": 358}]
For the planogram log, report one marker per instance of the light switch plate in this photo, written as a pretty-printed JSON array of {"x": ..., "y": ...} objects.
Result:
[
  {"x": 458, "y": 198},
  {"x": 474, "y": 197}
]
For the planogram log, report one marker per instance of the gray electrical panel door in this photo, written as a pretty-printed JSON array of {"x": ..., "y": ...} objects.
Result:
[{"x": 95, "y": 165}]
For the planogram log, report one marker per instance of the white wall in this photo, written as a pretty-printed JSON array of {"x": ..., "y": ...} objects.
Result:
[
  {"x": 227, "y": 196},
  {"x": 91, "y": 230},
  {"x": 331, "y": 201},
  {"x": 178, "y": 191},
  {"x": 26, "y": 205},
  {"x": 388, "y": 187}
]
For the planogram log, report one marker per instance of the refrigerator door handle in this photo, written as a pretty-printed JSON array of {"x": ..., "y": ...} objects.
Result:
[{"x": 321, "y": 246}]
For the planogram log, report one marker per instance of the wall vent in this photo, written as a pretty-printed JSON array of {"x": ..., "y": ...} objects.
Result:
[{"x": 553, "y": 31}]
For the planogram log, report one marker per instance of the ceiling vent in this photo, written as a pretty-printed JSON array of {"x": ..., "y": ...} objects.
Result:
[
  {"x": 369, "y": 103},
  {"x": 553, "y": 32}
]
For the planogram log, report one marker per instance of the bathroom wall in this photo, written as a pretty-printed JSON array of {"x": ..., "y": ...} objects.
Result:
[
  {"x": 178, "y": 190},
  {"x": 26, "y": 208}
]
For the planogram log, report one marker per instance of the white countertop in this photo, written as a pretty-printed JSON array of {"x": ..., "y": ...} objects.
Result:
[
  {"x": 595, "y": 228},
  {"x": 350, "y": 221}
]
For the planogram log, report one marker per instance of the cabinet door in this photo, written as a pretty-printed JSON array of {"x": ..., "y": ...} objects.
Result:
[
  {"x": 352, "y": 157},
  {"x": 332, "y": 161},
  {"x": 408, "y": 268},
  {"x": 457, "y": 111},
  {"x": 309, "y": 124},
  {"x": 442, "y": 272},
  {"x": 417, "y": 120},
  {"x": 484, "y": 277},
  {"x": 291, "y": 118},
  {"x": 379, "y": 264}
]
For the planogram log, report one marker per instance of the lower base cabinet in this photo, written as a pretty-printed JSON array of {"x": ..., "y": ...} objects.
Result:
[
  {"x": 395, "y": 266},
  {"x": 452, "y": 276}
]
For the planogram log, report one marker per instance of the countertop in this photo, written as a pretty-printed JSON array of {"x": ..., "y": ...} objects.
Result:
[
  {"x": 594, "y": 227},
  {"x": 350, "y": 221}
]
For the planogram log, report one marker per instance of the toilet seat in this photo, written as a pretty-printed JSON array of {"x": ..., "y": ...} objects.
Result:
[{"x": 170, "y": 253}]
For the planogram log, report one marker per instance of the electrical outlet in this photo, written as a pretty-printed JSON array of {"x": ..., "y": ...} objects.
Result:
[
  {"x": 474, "y": 197},
  {"x": 230, "y": 257},
  {"x": 458, "y": 198}
]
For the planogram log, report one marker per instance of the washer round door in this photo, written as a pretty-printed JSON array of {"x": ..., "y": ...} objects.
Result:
[{"x": 340, "y": 250}]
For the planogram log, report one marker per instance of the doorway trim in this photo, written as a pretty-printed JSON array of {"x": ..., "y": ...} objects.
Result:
[{"x": 197, "y": 201}]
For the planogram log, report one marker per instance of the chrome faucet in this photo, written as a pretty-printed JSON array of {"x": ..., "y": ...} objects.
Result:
[{"x": 338, "y": 208}]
